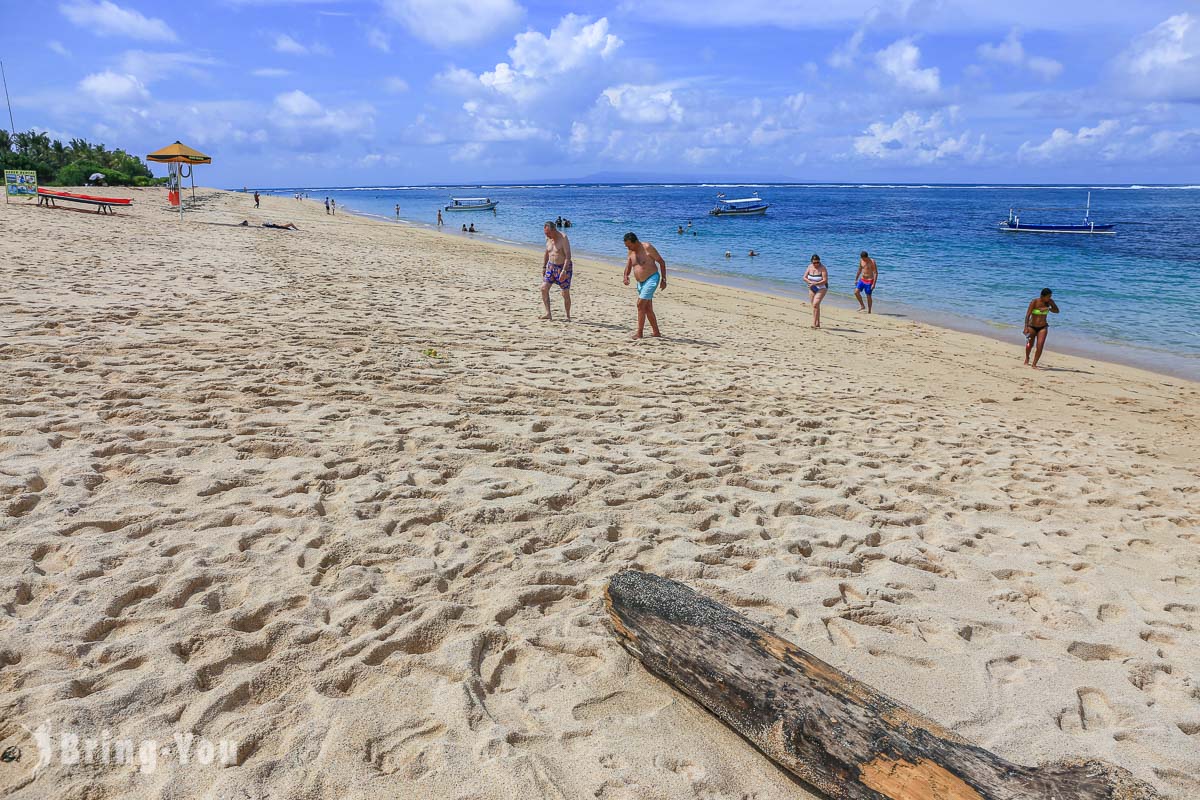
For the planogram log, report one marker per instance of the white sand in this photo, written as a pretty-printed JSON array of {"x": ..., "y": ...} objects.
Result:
[{"x": 238, "y": 500}]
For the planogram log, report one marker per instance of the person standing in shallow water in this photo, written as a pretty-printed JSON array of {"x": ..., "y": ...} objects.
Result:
[
  {"x": 817, "y": 278},
  {"x": 650, "y": 272},
  {"x": 1037, "y": 326}
]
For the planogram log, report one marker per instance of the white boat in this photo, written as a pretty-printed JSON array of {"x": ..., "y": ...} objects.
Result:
[
  {"x": 472, "y": 204},
  {"x": 742, "y": 207}
]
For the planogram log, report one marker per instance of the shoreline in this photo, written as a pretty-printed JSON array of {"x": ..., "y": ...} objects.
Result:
[
  {"x": 338, "y": 491},
  {"x": 1155, "y": 362}
]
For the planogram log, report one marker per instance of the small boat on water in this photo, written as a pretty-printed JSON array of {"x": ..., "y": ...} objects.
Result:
[
  {"x": 472, "y": 204},
  {"x": 1014, "y": 224},
  {"x": 742, "y": 207}
]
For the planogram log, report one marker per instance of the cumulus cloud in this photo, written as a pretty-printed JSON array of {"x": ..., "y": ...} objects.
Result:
[
  {"x": 1165, "y": 62},
  {"x": 644, "y": 104},
  {"x": 1011, "y": 52},
  {"x": 537, "y": 60},
  {"x": 57, "y": 47},
  {"x": 915, "y": 140},
  {"x": 449, "y": 23},
  {"x": 396, "y": 85},
  {"x": 1095, "y": 142},
  {"x": 901, "y": 61},
  {"x": 113, "y": 87},
  {"x": 109, "y": 19}
]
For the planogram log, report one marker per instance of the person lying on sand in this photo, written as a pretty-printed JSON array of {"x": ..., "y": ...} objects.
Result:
[
  {"x": 287, "y": 226},
  {"x": 650, "y": 272}
]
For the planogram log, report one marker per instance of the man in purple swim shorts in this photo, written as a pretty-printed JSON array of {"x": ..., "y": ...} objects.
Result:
[{"x": 556, "y": 268}]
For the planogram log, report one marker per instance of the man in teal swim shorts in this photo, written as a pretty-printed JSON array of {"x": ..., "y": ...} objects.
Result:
[{"x": 650, "y": 272}]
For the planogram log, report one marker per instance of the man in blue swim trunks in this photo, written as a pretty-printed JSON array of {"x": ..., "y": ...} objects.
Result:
[
  {"x": 650, "y": 272},
  {"x": 556, "y": 268},
  {"x": 865, "y": 280}
]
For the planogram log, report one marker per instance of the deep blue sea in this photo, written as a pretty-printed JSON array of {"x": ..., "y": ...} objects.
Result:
[{"x": 1131, "y": 297}]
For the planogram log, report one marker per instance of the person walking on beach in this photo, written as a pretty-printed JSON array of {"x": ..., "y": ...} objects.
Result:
[
  {"x": 865, "y": 280},
  {"x": 326, "y": 205},
  {"x": 817, "y": 278},
  {"x": 1037, "y": 326},
  {"x": 256, "y": 198},
  {"x": 439, "y": 218},
  {"x": 557, "y": 268},
  {"x": 333, "y": 205},
  {"x": 397, "y": 211},
  {"x": 650, "y": 273}
]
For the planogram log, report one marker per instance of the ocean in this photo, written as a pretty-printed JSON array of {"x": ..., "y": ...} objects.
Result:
[{"x": 1131, "y": 297}]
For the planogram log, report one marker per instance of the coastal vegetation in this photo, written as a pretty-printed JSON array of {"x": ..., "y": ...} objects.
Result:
[{"x": 71, "y": 164}]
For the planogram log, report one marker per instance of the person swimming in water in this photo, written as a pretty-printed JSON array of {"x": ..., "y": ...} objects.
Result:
[
  {"x": 1037, "y": 326},
  {"x": 817, "y": 278}
]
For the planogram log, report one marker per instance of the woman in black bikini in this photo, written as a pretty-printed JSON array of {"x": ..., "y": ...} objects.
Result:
[{"x": 1037, "y": 326}]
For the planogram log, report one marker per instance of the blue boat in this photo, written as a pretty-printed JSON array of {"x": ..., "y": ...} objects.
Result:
[
  {"x": 1014, "y": 224},
  {"x": 743, "y": 207}
]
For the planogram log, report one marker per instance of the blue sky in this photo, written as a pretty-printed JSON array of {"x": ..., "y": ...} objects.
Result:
[{"x": 388, "y": 92}]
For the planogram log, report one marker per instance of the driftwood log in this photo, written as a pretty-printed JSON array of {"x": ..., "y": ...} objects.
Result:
[{"x": 834, "y": 732}]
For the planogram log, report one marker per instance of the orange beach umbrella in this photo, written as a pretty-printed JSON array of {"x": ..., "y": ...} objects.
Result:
[{"x": 175, "y": 156}]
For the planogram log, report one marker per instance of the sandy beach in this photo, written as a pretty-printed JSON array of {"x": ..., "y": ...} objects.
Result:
[{"x": 338, "y": 496}]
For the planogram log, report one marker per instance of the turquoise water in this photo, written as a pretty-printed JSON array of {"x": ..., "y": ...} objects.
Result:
[{"x": 941, "y": 259}]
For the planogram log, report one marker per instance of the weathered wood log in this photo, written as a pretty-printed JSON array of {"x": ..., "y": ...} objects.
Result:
[{"x": 834, "y": 732}]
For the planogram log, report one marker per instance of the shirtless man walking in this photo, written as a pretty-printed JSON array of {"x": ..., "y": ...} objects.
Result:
[
  {"x": 650, "y": 273},
  {"x": 556, "y": 268},
  {"x": 865, "y": 280}
]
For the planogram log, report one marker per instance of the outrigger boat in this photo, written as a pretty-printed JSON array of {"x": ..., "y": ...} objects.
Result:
[
  {"x": 1014, "y": 225},
  {"x": 472, "y": 204},
  {"x": 743, "y": 207}
]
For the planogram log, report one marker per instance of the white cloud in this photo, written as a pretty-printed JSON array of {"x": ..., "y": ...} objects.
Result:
[
  {"x": 538, "y": 60},
  {"x": 297, "y": 104},
  {"x": 396, "y": 85},
  {"x": 644, "y": 104},
  {"x": 109, "y": 19},
  {"x": 1165, "y": 62},
  {"x": 1096, "y": 142},
  {"x": 286, "y": 44},
  {"x": 914, "y": 140},
  {"x": 270, "y": 72},
  {"x": 379, "y": 40},
  {"x": 901, "y": 61},
  {"x": 112, "y": 87},
  {"x": 1012, "y": 53},
  {"x": 57, "y": 47},
  {"x": 845, "y": 55},
  {"x": 449, "y": 23},
  {"x": 299, "y": 112},
  {"x": 151, "y": 66}
]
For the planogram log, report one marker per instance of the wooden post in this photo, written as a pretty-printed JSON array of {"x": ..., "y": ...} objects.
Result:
[{"x": 834, "y": 732}]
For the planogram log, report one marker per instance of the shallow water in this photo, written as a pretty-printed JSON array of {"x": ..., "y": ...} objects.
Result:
[{"x": 939, "y": 251}]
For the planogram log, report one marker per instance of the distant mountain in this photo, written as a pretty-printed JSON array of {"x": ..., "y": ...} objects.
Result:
[{"x": 665, "y": 177}]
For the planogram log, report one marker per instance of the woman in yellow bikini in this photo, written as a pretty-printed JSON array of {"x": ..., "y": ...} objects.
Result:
[{"x": 1037, "y": 326}]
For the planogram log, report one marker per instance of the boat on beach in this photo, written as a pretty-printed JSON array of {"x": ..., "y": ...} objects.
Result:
[
  {"x": 1014, "y": 224},
  {"x": 472, "y": 204},
  {"x": 742, "y": 207}
]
